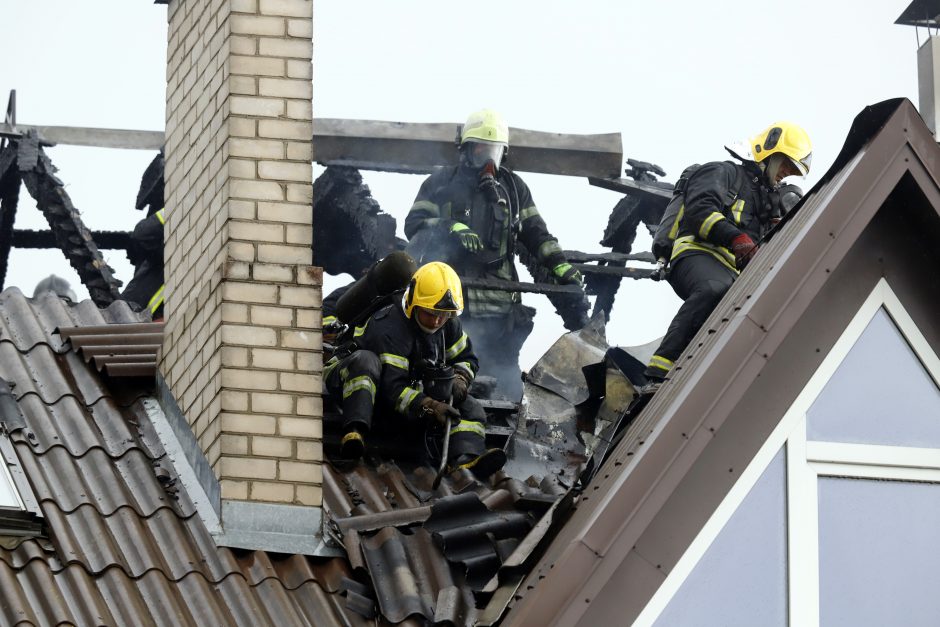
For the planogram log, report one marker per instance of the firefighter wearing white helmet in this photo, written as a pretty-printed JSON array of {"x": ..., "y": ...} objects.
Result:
[
  {"x": 727, "y": 207},
  {"x": 413, "y": 360},
  {"x": 472, "y": 216}
]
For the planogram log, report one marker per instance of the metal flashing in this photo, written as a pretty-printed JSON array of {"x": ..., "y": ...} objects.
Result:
[
  {"x": 235, "y": 524},
  {"x": 290, "y": 529},
  {"x": 187, "y": 457}
]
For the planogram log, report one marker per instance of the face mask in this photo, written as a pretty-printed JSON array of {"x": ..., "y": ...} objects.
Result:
[{"x": 481, "y": 153}]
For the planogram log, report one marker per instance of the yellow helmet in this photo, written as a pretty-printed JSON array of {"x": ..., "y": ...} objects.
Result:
[
  {"x": 434, "y": 286},
  {"x": 485, "y": 126},
  {"x": 785, "y": 138}
]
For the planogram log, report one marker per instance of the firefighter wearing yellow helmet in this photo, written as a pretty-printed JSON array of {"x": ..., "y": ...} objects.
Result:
[
  {"x": 474, "y": 216},
  {"x": 411, "y": 360},
  {"x": 727, "y": 206}
]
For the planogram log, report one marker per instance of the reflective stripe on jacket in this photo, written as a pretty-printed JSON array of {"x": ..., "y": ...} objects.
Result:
[
  {"x": 452, "y": 195},
  {"x": 403, "y": 347},
  {"x": 712, "y": 214}
]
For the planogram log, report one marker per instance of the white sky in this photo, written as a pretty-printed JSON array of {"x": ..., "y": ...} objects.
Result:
[{"x": 679, "y": 79}]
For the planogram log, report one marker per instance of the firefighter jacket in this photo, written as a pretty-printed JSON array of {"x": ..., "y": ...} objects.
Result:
[
  {"x": 329, "y": 305},
  {"x": 453, "y": 195},
  {"x": 145, "y": 289},
  {"x": 714, "y": 212},
  {"x": 404, "y": 350}
]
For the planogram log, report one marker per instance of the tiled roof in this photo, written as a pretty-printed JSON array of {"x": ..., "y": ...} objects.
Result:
[
  {"x": 125, "y": 544},
  {"x": 118, "y": 350}
]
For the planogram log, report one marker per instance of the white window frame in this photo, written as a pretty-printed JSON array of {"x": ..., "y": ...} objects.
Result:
[{"x": 806, "y": 462}]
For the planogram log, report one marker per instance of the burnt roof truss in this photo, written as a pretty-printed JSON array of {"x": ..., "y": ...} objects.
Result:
[{"x": 23, "y": 160}]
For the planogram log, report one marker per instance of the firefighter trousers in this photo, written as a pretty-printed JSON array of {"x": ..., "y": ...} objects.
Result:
[
  {"x": 354, "y": 381},
  {"x": 701, "y": 281}
]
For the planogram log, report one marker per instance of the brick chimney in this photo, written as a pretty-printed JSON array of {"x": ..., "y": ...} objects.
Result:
[{"x": 241, "y": 361}]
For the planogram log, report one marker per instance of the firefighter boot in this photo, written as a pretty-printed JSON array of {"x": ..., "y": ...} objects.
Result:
[
  {"x": 483, "y": 465},
  {"x": 352, "y": 445}
]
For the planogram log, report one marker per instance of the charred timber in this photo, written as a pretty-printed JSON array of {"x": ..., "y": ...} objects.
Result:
[
  {"x": 9, "y": 196},
  {"x": 81, "y": 136},
  {"x": 656, "y": 192},
  {"x": 388, "y": 146},
  {"x": 617, "y": 271},
  {"x": 71, "y": 235},
  {"x": 419, "y": 148},
  {"x": 351, "y": 232},
  {"x": 549, "y": 289},
  {"x": 642, "y": 207},
  {"x": 105, "y": 240},
  {"x": 572, "y": 306},
  {"x": 576, "y": 256}
]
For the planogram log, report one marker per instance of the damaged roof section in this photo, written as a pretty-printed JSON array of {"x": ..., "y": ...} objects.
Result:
[
  {"x": 24, "y": 161},
  {"x": 450, "y": 555},
  {"x": 112, "y": 502}
]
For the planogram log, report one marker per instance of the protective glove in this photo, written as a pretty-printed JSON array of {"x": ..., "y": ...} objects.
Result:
[
  {"x": 743, "y": 248},
  {"x": 461, "y": 385},
  {"x": 567, "y": 274},
  {"x": 468, "y": 237},
  {"x": 433, "y": 409}
]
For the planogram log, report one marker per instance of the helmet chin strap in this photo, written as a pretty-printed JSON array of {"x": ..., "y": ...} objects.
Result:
[{"x": 772, "y": 167}]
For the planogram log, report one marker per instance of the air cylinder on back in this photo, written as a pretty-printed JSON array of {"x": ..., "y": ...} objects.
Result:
[{"x": 385, "y": 277}]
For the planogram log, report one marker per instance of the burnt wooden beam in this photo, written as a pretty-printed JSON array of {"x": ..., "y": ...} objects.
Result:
[
  {"x": 420, "y": 147},
  {"x": 9, "y": 196},
  {"x": 389, "y": 146},
  {"x": 581, "y": 257},
  {"x": 618, "y": 271},
  {"x": 81, "y": 136},
  {"x": 71, "y": 235},
  {"x": 106, "y": 240},
  {"x": 656, "y": 193},
  {"x": 519, "y": 286}
]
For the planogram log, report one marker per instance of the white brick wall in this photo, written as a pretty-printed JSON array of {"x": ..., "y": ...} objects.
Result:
[{"x": 242, "y": 350}]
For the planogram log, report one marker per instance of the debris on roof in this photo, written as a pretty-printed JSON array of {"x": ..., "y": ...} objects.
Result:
[{"x": 112, "y": 501}]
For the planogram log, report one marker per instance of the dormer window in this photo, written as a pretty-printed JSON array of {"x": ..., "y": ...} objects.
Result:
[{"x": 19, "y": 511}]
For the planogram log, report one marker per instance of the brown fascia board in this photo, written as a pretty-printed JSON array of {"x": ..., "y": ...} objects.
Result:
[{"x": 747, "y": 328}]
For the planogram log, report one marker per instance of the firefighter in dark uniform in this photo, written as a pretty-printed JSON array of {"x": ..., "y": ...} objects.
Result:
[
  {"x": 479, "y": 211},
  {"x": 145, "y": 290},
  {"x": 395, "y": 351},
  {"x": 718, "y": 230}
]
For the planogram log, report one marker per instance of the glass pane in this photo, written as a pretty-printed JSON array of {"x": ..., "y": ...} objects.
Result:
[
  {"x": 8, "y": 494},
  {"x": 742, "y": 578},
  {"x": 880, "y": 394},
  {"x": 879, "y": 553}
]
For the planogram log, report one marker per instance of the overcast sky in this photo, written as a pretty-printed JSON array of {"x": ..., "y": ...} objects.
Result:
[{"x": 678, "y": 79}]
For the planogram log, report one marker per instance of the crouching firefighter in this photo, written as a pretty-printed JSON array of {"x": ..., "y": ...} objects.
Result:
[{"x": 413, "y": 359}]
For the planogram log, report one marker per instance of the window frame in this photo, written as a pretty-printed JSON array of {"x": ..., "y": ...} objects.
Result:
[
  {"x": 807, "y": 461},
  {"x": 12, "y": 420}
]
